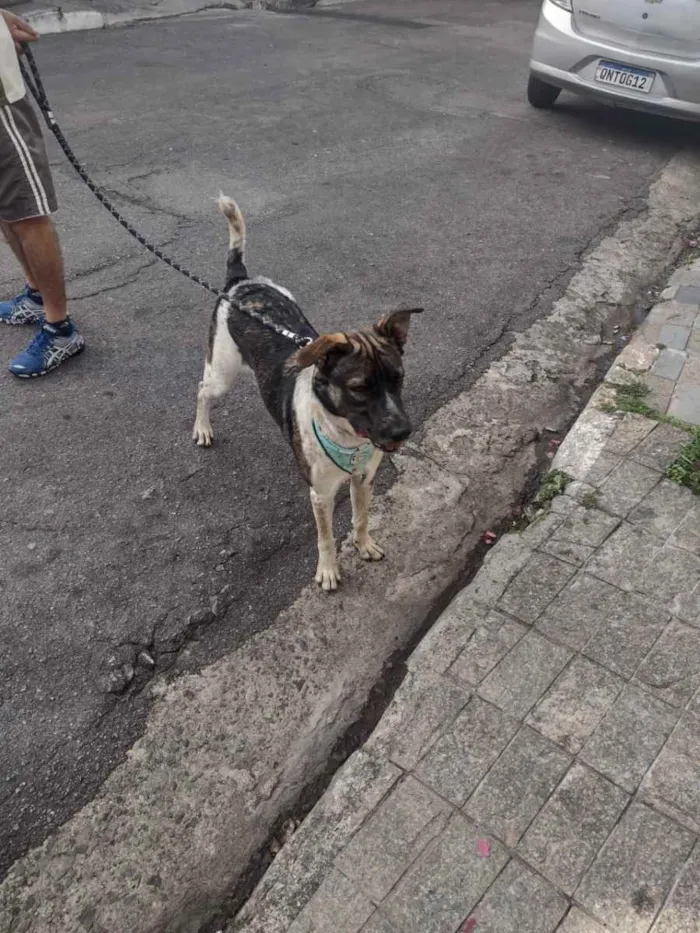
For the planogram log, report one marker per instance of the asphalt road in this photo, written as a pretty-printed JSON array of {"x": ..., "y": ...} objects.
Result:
[{"x": 383, "y": 153}]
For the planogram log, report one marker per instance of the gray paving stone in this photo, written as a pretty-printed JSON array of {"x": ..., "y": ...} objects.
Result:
[
  {"x": 582, "y": 492},
  {"x": 520, "y": 679},
  {"x": 540, "y": 530},
  {"x": 578, "y": 922},
  {"x": 687, "y": 535},
  {"x": 669, "y": 363},
  {"x": 500, "y": 566},
  {"x": 518, "y": 785},
  {"x": 681, "y": 913},
  {"x": 663, "y": 510},
  {"x": 630, "y": 737},
  {"x": 685, "y": 403},
  {"x": 631, "y": 431},
  {"x": 626, "y": 487},
  {"x": 450, "y": 633},
  {"x": 422, "y": 708},
  {"x": 579, "y": 610},
  {"x": 575, "y": 704},
  {"x": 673, "y": 783},
  {"x": 589, "y": 527},
  {"x": 392, "y": 838},
  {"x": 690, "y": 374},
  {"x": 667, "y": 573},
  {"x": 337, "y": 905},
  {"x": 684, "y": 314},
  {"x": 488, "y": 644},
  {"x": 603, "y": 467},
  {"x": 562, "y": 505},
  {"x": 377, "y": 923},
  {"x": 623, "y": 559},
  {"x": 671, "y": 670},
  {"x": 661, "y": 447},
  {"x": 575, "y": 554},
  {"x": 626, "y": 635},
  {"x": 675, "y": 337},
  {"x": 518, "y": 901},
  {"x": 694, "y": 705},
  {"x": 535, "y": 587},
  {"x": 635, "y": 870},
  {"x": 565, "y": 837},
  {"x": 660, "y": 392},
  {"x": 688, "y": 294},
  {"x": 686, "y": 606},
  {"x": 442, "y": 887},
  {"x": 461, "y": 757}
]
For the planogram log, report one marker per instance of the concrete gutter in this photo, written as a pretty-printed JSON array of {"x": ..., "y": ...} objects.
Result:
[
  {"x": 227, "y": 752},
  {"x": 76, "y": 15}
]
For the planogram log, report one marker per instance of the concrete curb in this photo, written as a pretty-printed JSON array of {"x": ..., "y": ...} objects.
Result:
[
  {"x": 60, "y": 19},
  {"x": 227, "y": 752}
]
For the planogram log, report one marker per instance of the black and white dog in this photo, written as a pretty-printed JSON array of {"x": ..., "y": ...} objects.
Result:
[{"x": 337, "y": 400}]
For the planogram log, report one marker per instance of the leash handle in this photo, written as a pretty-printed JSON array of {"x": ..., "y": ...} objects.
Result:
[{"x": 36, "y": 87}]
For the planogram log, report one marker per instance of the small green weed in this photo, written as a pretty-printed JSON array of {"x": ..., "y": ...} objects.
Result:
[
  {"x": 685, "y": 469},
  {"x": 629, "y": 396},
  {"x": 552, "y": 485}
]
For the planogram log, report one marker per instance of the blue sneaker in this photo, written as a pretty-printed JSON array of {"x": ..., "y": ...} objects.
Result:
[
  {"x": 26, "y": 308},
  {"x": 51, "y": 346}
]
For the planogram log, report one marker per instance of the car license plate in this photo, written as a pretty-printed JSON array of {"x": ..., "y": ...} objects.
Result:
[{"x": 633, "y": 79}]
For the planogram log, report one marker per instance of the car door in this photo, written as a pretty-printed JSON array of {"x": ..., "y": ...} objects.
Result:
[{"x": 665, "y": 27}]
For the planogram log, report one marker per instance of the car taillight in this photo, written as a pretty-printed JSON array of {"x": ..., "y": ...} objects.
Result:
[{"x": 564, "y": 4}]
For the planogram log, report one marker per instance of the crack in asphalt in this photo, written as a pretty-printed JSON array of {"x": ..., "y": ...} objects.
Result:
[{"x": 129, "y": 281}]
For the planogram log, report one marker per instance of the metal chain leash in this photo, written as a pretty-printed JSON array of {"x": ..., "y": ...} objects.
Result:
[{"x": 36, "y": 86}]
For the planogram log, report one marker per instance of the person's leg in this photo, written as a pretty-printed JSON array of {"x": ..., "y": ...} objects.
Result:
[
  {"x": 27, "y": 200},
  {"x": 38, "y": 242},
  {"x": 15, "y": 245}
]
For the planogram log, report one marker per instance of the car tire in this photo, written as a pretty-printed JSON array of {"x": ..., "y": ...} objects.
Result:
[{"x": 540, "y": 94}]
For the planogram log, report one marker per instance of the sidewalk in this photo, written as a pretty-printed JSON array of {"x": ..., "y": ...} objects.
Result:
[
  {"x": 78, "y": 15},
  {"x": 539, "y": 768}
]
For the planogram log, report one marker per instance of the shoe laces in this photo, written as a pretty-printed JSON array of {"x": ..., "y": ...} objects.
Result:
[
  {"x": 40, "y": 342},
  {"x": 19, "y": 301}
]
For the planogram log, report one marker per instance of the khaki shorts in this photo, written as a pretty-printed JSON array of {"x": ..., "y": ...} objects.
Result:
[{"x": 26, "y": 188}]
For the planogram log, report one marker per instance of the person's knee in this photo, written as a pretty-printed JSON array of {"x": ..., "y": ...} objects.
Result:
[{"x": 30, "y": 226}]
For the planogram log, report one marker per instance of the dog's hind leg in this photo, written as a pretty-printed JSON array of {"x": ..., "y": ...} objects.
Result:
[{"x": 223, "y": 363}]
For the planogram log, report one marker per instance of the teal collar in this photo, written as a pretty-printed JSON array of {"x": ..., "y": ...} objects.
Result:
[{"x": 348, "y": 459}]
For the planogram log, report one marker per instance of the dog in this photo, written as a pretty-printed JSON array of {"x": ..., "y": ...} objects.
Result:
[{"x": 337, "y": 400}]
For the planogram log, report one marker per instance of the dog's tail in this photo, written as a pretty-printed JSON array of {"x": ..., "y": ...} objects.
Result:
[{"x": 235, "y": 266}]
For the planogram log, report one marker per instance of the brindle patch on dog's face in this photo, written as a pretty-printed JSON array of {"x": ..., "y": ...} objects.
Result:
[{"x": 359, "y": 377}]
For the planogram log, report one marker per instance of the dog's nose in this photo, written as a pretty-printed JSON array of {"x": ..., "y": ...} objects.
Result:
[{"x": 399, "y": 432}]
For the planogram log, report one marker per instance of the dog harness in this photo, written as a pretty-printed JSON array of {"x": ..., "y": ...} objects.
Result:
[{"x": 348, "y": 459}]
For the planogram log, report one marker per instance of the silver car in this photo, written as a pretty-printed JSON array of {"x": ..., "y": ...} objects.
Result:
[{"x": 643, "y": 54}]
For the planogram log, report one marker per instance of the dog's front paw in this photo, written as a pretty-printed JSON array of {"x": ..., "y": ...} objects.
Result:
[
  {"x": 202, "y": 435},
  {"x": 368, "y": 549},
  {"x": 327, "y": 576}
]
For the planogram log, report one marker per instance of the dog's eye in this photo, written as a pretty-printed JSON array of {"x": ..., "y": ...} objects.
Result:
[{"x": 357, "y": 389}]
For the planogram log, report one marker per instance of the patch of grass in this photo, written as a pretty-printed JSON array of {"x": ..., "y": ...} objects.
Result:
[
  {"x": 553, "y": 485},
  {"x": 630, "y": 397},
  {"x": 685, "y": 469}
]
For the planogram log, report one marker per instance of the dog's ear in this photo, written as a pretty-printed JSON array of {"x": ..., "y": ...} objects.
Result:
[
  {"x": 395, "y": 325},
  {"x": 320, "y": 349}
]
